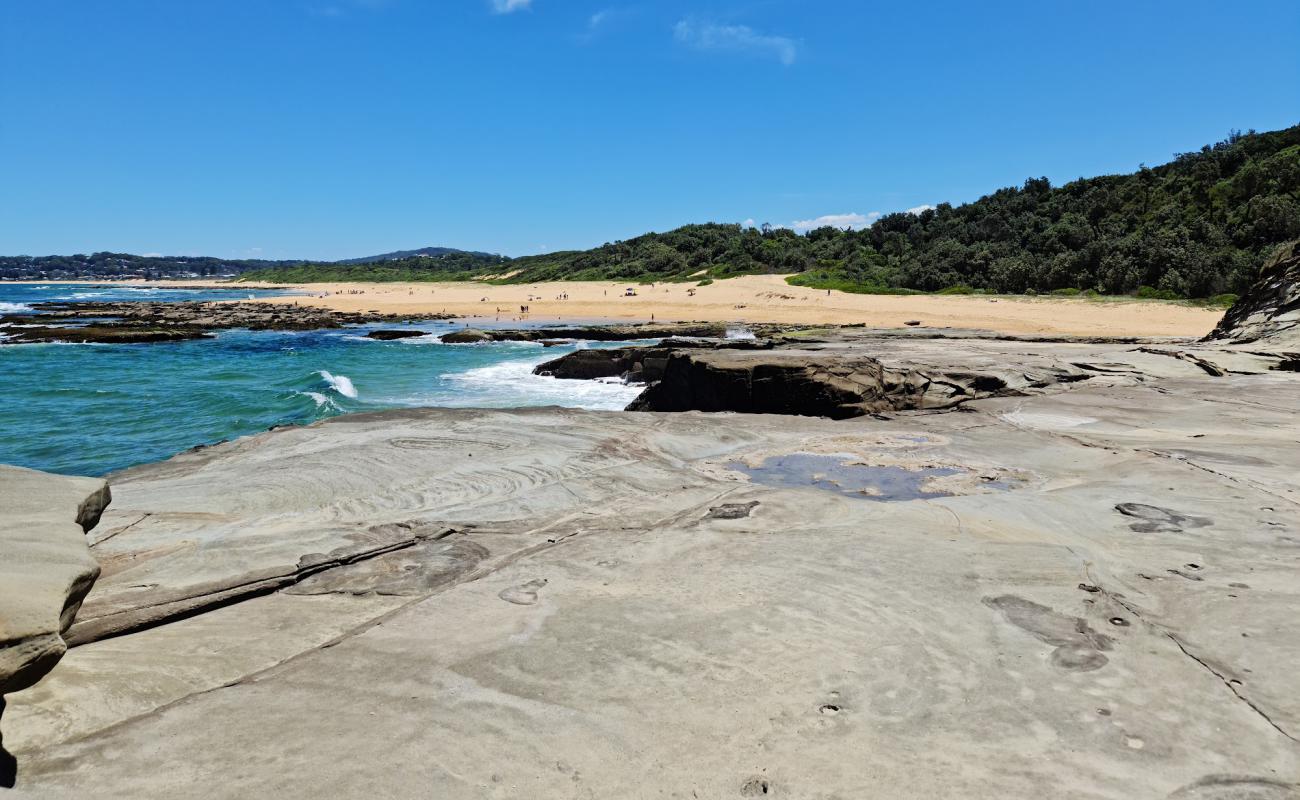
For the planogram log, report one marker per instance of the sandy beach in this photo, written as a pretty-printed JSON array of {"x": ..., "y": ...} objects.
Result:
[{"x": 764, "y": 298}]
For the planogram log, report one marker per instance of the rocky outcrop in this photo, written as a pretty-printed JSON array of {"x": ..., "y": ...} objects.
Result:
[
  {"x": 829, "y": 383},
  {"x": 45, "y": 572},
  {"x": 804, "y": 384},
  {"x": 1269, "y": 311},
  {"x": 637, "y": 364},
  {"x": 466, "y": 336},
  {"x": 125, "y": 322},
  {"x": 45, "y": 567}
]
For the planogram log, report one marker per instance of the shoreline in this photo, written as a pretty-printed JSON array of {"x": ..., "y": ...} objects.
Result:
[{"x": 744, "y": 299}]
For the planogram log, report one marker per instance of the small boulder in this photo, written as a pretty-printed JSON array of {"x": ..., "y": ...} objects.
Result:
[
  {"x": 388, "y": 335},
  {"x": 466, "y": 336}
]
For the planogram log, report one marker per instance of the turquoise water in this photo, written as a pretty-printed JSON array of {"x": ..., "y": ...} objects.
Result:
[{"x": 90, "y": 409}]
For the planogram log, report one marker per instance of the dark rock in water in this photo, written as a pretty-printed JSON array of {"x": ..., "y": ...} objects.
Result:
[
  {"x": 588, "y": 364},
  {"x": 636, "y": 364},
  {"x": 1269, "y": 311},
  {"x": 388, "y": 335},
  {"x": 724, "y": 344},
  {"x": 130, "y": 322},
  {"x": 466, "y": 336},
  {"x": 104, "y": 334}
]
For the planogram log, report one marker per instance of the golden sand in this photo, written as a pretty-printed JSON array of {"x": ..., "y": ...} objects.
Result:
[{"x": 763, "y": 298}]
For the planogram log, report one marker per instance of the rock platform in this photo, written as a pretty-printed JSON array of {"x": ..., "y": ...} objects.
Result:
[{"x": 1085, "y": 589}]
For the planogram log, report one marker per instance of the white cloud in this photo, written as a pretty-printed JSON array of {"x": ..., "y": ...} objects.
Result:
[
  {"x": 152, "y": 255},
  {"x": 841, "y": 221},
  {"x": 749, "y": 223},
  {"x": 510, "y": 6},
  {"x": 920, "y": 208},
  {"x": 605, "y": 21},
  {"x": 736, "y": 38}
]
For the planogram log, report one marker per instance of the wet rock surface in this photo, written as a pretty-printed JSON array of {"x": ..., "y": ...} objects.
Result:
[
  {"x": 389, "y": 335},
  {"x": 144, "y": 321}
]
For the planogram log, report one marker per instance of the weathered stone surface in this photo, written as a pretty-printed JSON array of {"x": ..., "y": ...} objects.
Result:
[
  {"x": 45, "y": 567},
  {"x": 847, "y": 371},
  {"x": 543, "y": 602},
  {"x": 826, "y": 384},
  {"x": 1269, "y": 311},
  {"x": 45, "y": 571}
]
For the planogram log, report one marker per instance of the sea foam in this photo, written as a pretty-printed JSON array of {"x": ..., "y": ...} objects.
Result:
[
  {"x": 513, "y": 383},
  {"x": 339, "y": 383}
]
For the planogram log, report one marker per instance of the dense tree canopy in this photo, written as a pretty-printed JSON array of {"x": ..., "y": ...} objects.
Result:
[{"x": 1198, "y": 226}]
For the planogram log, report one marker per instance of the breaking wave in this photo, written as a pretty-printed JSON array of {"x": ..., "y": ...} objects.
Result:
[
  {"x": 339, "y": 383},
  {"x": 512, "y": 383}
]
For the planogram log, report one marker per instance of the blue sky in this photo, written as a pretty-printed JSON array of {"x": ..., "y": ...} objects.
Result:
[{"x": 338, "y": 128}]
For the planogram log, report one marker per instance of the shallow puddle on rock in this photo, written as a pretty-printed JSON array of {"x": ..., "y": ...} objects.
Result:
[{"x": 838, "y": 473}]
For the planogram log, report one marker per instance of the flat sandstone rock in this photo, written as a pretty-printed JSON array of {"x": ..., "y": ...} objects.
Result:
[{"x": 1082, "y": 591}]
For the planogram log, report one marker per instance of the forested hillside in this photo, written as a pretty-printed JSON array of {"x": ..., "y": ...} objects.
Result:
[{"x": 1198, "y": 226}]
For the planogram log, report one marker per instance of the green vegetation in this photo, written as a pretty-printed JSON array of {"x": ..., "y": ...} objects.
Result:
[
  {"x": 124, "y": 265},
  {"x": 430, "y": 263},
  {"x": 1197, "y": 227}
]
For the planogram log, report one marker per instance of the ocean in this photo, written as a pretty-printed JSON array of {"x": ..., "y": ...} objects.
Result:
[{"x": 91, "y": 409}]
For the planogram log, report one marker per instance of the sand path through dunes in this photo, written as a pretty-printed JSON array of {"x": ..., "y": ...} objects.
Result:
[{"x": 764, "y": 298}]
